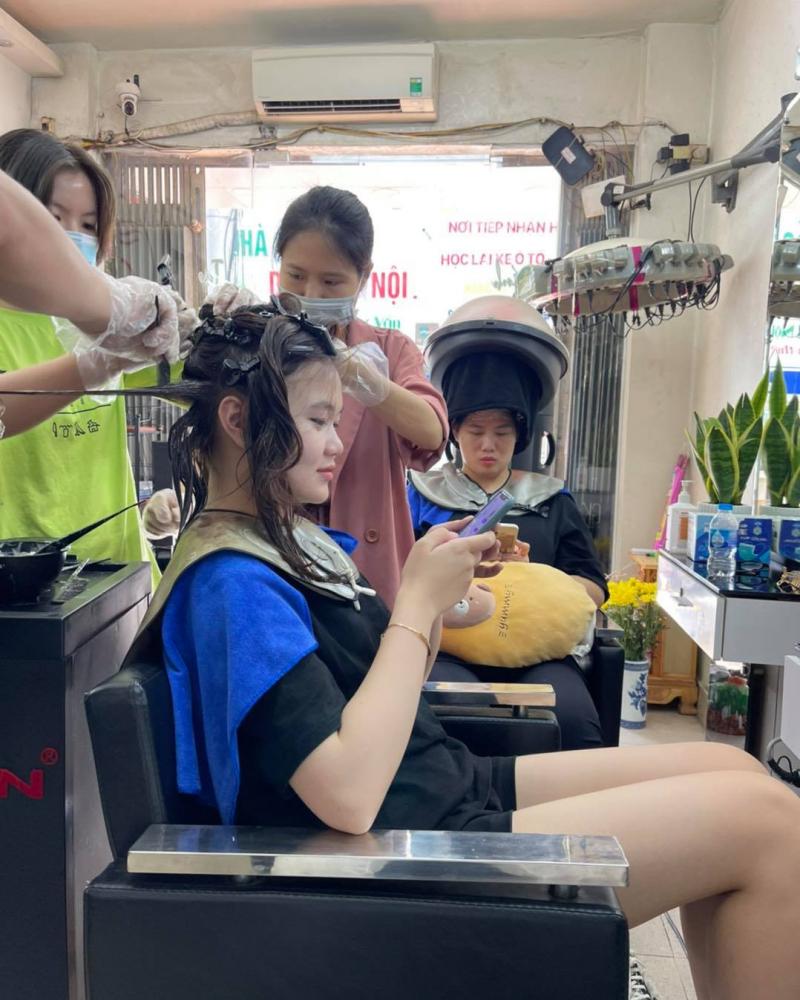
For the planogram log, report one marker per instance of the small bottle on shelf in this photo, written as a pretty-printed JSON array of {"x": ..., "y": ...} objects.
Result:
[{"x": 677, "y": 533}]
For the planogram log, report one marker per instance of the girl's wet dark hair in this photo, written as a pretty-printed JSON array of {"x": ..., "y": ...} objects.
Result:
[
  {"x": 339, "y": 216},
  {"x": 34, "y": 159},
  {"x": 253, "y": 352}
]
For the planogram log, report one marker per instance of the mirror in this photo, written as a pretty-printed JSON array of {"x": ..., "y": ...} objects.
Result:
[{"x": 783, "y": 331}]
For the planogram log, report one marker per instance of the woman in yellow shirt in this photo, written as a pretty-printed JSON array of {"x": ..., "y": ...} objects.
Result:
[{"x": 74, "y": 467}]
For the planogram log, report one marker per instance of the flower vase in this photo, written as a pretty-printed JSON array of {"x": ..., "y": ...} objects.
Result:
[{"x": 634, "y": 694}]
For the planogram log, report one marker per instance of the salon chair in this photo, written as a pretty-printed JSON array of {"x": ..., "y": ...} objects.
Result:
[
  {"x": 603, "y": 668},
  {"x": 190, "y": 909}
]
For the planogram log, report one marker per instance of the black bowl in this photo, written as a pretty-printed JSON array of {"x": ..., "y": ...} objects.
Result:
[{"x": 25, "y": 571}]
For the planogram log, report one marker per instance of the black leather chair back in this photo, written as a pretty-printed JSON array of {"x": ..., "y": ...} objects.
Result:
[{"x": 133, "y": 738}]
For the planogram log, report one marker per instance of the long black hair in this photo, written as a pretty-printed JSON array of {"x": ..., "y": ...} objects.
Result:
[
  {"x": 339, "y": 216},
  {"x": 252, "y": 352}
]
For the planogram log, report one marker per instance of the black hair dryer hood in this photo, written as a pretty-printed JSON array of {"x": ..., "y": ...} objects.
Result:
[{"x": 536, "y": 347}]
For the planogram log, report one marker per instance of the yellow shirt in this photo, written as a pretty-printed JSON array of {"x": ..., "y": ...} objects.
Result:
[{"x": 71, "y": 469}]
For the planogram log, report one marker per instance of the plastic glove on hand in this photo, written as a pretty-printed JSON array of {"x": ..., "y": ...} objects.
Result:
[
  {"x": 188, "y": 321},
  {"x": 364, "y": 371},
  {"x": 229, "y": 298},
  {"x": 144, "y": 321},
  {"x": 162, "y": 515},
  {"x": 98, "y": 369}
]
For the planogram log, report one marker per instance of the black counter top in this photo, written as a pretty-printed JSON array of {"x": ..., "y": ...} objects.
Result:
[{"x": 751, "y": 580}]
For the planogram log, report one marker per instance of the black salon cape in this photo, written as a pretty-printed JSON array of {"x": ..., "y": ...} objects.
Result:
[{"x": 555, "y": 530}]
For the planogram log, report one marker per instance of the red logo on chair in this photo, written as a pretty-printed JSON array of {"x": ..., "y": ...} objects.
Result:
[{"x": 33, "y": 788}]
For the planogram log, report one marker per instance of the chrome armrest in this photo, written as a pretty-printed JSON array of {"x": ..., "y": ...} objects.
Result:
[
  {"x": 463, "y": 693},
  {"x": 427, "y": 855}
]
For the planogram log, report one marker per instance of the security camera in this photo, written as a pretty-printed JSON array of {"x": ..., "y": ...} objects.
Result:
[{"x": 128, "y": 94}]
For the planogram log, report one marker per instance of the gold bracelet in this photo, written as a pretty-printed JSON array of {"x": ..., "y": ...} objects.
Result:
[{"x": 414, "y": 631}]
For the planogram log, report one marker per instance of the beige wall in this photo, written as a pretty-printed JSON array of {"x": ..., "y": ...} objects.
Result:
[
  {"x": 591, "y": 80},
  {"x": 15, "y": 96},
  {"x": 755, "y": 57},
  {"x": 658, "y": 360}
]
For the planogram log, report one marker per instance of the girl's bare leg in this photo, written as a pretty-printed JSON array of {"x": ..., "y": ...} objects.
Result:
[
  {"x": 546, "y": 777},
  {"x": 722, "y": 844}
]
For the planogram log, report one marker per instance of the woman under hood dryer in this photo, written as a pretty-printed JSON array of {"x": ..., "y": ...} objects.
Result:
[{"x": 498, "y": 364}]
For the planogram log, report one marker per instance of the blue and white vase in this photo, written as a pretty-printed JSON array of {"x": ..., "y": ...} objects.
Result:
[{"x": 634, "y": 694}]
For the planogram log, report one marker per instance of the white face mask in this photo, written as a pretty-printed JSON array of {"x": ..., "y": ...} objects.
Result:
[
  {"x": 326, "y": 312},
  {"x": 86, "y": 243}
]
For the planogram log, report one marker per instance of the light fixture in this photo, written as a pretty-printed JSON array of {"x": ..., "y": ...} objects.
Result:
[{"x": 647, "y": 283}]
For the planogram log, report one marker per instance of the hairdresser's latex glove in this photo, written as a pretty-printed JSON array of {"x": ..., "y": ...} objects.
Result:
[
  {"x": 228, "y": 298},
  {"x": 188, "y": 321},
  {"x": 162, "y": 515},
  {"x": 364, "y": 371},
  {"x": 138, "y": 330},
  {"x": 100, "y": 369}
]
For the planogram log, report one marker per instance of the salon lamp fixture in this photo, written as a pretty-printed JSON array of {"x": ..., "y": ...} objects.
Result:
[{"x": 647, "y": 283}]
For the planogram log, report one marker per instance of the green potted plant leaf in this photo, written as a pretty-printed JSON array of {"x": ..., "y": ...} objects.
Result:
[
  {"x": 725, "y": 447},
  {"x": 781, "y": 448},
  {"x": 780, "y": 455}
]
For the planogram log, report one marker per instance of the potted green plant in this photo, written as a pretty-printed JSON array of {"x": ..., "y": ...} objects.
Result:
[
  {"x": 780, "y": 449},
  {"x": 725, "y": 448},
  {"x": 780, "y": 457}
]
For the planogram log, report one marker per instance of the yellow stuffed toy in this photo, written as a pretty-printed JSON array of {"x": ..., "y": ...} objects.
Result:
[{"x": 527, "y": 614}]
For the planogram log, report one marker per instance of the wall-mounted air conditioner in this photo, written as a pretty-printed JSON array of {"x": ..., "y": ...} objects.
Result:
[{"x": 346, "y": 83}]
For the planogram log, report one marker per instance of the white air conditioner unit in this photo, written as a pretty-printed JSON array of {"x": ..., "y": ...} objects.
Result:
[{"x": 346, "y": 83}]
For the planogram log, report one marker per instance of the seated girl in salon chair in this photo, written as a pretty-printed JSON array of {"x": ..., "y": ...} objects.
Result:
[{"x": 297, "y": 694}]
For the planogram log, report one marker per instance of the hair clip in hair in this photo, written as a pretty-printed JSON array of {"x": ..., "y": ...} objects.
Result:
[{"x": 234, "y": 372}]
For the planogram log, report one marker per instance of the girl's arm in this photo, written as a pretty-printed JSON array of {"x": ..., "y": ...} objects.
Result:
[{"x": 345, "y": 779}]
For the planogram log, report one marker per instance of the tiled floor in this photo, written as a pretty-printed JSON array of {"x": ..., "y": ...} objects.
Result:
[{"x": 657, "y": 945}]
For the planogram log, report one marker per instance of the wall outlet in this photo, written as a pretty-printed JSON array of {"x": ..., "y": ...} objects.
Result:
[{"x": 48, "y": 124}]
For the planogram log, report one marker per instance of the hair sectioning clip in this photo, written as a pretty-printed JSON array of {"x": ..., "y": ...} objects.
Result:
[{"x": 234, "y": 372}]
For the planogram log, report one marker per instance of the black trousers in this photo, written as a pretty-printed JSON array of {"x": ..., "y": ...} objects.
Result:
[{"x": 575, "y": 710}]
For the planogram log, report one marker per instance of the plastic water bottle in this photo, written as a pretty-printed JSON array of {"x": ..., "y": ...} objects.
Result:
[{"x": 723, "y": 540}]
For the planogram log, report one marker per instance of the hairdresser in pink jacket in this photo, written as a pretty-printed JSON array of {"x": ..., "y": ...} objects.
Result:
[{"x": 393, "y": 418}]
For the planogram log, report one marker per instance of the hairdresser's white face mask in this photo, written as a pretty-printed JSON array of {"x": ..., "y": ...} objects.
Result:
[
  {"x": 86, "y": 243},
  {"x": 326, "y": 312}
]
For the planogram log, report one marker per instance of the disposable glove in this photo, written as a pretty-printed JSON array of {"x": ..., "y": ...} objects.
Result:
[
  {"x": 364, "y": 371},
  {"x": 162, "y": 515},
  {"x": 230, "y": 297}
]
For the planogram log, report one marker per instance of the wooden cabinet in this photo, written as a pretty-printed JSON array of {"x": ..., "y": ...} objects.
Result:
[{"x": 673, "y": 664}]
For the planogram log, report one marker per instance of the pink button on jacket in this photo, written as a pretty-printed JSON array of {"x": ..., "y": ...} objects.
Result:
[{"x": 368, "y": 492}]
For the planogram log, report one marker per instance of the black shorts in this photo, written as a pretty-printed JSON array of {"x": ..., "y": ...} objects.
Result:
[{"x": 504, "y": 796}]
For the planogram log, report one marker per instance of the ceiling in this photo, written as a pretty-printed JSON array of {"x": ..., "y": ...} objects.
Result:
[{"x": 149, "y": 24}]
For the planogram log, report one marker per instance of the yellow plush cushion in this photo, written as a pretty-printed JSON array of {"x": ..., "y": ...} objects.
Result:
[{"x": 541, "y": 614}]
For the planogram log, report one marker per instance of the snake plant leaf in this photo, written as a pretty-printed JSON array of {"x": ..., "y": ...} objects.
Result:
[
  {"x": 760, "y": 394},
  {"x": 789, "y": 416},
  {"x": 745, "y": 414},
  {"x": 777, "y": 395},
  {"x": 793, "y": 489},
  {"x": 777, "y": 459},
  {"x": 722, "y": 464},
  {"x": 748, "y": 451},
  {"x": 727, "y": 423}
]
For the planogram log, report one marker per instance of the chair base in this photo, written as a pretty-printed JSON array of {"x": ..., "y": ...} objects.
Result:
[{"x": 173, "y": 938}]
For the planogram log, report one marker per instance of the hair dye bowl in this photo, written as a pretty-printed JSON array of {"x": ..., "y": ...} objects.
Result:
[{"x": 27, "y": 568}]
